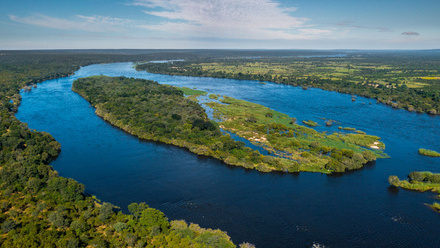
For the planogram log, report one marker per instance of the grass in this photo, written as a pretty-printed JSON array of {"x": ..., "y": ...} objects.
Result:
[
  {"x": 213, "y": 96},
  {"x": 429, "y": 153},
  {"x": 347, "y": 128},
  {"x": 191, "y": 92},
  {"x": 310, "y": 123},
  {"x": 276, "y": 133}
]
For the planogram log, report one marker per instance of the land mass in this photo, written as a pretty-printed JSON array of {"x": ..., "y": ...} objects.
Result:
[
  {"x": 419, "y": 181},
  {"x": 280, "y": 135},
  {"x": 40, "y": 208},
  {"x": 404, "y": 81},
  {"x": 162, "y": 113},
  {"x": 429, "y": 153}
]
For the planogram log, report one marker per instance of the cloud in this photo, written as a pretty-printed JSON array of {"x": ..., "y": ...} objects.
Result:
[
  {"x": 350, "y": 24},
  {"x": 410, "y": 33},
  {"x": 79, "y": 22},
  {"x": 254, "y": 19}
]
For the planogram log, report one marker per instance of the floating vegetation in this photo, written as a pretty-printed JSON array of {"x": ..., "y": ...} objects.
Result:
[
  {"x": 310, "y": 123},
  {"x": 429, "y": 153}
]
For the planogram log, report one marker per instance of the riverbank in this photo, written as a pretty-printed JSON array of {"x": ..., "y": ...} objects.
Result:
[
  {"x": 392, "y": 82},
  {"x": 39, "y": 207},
  {"x": 121, "y": 169}
]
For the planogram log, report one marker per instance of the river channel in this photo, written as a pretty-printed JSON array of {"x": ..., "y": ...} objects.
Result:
[{"x": 356, "y": 209}]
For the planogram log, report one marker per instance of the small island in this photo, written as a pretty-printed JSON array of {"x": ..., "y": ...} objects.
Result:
[
  {"x": 310, "y": 123},
  {"x": 429, "y": 153},
  {"x": 419, "y": 181}
]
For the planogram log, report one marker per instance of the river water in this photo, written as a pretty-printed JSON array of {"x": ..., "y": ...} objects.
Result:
[{"x": 356, "y": 209}]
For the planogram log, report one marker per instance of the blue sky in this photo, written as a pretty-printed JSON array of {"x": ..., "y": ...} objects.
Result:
[{"x": 218, "y": 24}]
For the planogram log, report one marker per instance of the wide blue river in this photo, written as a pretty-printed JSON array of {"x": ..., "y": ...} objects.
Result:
[{"x": 356, "y": 209}]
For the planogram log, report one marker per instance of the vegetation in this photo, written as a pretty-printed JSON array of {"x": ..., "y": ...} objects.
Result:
[
  {"x": 191, "y": 92},
  {"x": 161, "y": 113},
  {"x": 308, "y": 149},
  {"x": 402, "y": 80},
  {"x": 39, "y": 208},
  {"x": 310, "y": 123},
  {"x": 419, "y": 181},
  {"x": 429, "y": 153}
]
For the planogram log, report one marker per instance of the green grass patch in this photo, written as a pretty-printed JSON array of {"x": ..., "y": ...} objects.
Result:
[
  {"x": 213, "y": 96},
  {"x": 429, "y": 153},
  {"x": 310, "y": 123},
  {"x": 278, "y": 133},
  {"x": 190, "y": 92}
]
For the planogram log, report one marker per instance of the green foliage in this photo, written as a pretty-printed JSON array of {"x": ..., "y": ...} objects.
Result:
[
  {"x": 394, "y": 181},
  {"x": 419, "y": 181},
  {"x": 310, "y": 123},
  {"x": 388, "y": 78},
  {"x": 37, "y": 207},
  {"x": 298, "y": 148},
  {"x": 191, "y": 92},
  {"x": 429, "y": 153},
  {"x": 8, "y": 226},
  {"x": 160, "y": 112}
]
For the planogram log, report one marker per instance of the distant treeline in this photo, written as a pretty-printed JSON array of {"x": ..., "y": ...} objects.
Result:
[{"x": 363, "y": 76}]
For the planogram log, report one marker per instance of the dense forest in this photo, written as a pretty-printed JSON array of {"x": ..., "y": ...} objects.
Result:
[
  {"x": 401, "y": 80},
  {"x": 40, "y": 208}
]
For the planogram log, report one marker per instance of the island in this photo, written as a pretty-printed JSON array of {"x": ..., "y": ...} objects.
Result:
[
  {"x": 152, "y": 111},
  {"x": 419, "y": 181},
  {"x": 39, "y": 208},
  {"x": 429, "y": 153},
  {"x": 309, "y": 149}
]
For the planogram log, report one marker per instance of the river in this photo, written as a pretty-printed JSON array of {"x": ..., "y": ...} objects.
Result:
[{"x": 356, "y": 209}]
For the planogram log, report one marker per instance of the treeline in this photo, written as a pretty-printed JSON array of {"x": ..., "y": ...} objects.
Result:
[
  {"x": 157, "y": 112},
  {"x": 39, "y": 208},
  {"x": 362, "y": 81}
]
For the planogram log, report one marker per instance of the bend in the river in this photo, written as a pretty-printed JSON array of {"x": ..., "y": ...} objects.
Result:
[{"x": 269, "y": 210}]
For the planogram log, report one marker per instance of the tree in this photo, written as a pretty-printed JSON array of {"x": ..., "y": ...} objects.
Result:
[
  {"x": 8, "y": 226},
  {"x": 106, "y": 211},
  {"x": 136, "y": 209},
  {"x": 394, "y": 181}
]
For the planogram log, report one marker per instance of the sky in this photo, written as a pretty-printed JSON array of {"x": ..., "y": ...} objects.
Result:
[{"x": 219, "y": 24}]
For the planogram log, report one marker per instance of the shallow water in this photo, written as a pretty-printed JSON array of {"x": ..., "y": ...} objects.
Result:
[{"x": 357, "y": 209}]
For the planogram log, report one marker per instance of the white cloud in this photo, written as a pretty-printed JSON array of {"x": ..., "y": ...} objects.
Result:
[
  {"x": 233, "y": 19},
  {"x": 80, "y": 22}
]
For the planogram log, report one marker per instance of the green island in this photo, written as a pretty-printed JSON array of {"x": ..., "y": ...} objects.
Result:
[
  {"x": 152, "y": 111},
  {"x": 39, "y": 208},
  {"x": 310, "y": 123},
  {"x": 429, "y": 153},
  {"x": 419, "y": 181},
  {"x": 400, "y": 80},
  {"x": 309, "y": 150},
  {"x": 157, "y": 112}
]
